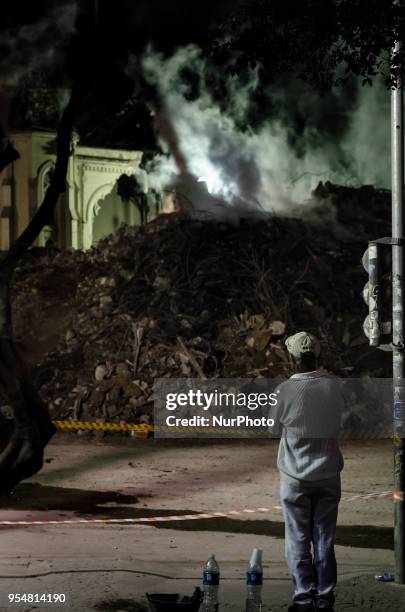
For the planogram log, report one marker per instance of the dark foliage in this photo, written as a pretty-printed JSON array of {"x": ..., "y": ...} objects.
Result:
[{"x": 322, "y": 41}]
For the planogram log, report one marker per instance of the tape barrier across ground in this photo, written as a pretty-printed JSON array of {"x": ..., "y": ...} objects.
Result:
[
  {"x": 144, "y": 428},
  {"x": 98, "y": 426},
  {"x": 395, "y": 495}
]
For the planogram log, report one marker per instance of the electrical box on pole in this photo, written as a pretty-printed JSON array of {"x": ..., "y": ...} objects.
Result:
[{"x": 377, "y": 293}]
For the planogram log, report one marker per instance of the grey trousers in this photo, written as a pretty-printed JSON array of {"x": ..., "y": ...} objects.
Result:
[{"x": 310, "y": 512}]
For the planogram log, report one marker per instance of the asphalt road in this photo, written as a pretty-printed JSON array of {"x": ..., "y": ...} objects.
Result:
[{"x": 111, "y": 567}]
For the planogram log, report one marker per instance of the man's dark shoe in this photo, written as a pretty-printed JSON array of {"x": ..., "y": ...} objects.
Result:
[{"x": 302, "y": 608}]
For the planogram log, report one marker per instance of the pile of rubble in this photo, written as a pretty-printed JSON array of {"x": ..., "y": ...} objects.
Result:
[{"x": 182, "y": 297}]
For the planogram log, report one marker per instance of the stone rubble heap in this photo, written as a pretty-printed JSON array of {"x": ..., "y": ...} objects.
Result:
[{"x": 182, "y": 297}]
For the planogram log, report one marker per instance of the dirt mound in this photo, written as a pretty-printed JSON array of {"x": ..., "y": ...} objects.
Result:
[{"x": 181, "y": 297}]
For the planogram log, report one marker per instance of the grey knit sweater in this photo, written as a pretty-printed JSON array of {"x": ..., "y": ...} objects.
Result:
[{"x": 307, "y": 416}]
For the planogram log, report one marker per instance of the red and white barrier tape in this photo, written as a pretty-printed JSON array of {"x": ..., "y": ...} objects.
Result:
[{"x": 397, "y": 496}]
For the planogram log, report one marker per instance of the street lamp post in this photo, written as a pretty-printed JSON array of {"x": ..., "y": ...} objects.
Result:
[{"x": 397, "y": 160}]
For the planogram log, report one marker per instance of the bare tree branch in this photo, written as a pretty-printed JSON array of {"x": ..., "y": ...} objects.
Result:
[{"x": 56, "y": 188}]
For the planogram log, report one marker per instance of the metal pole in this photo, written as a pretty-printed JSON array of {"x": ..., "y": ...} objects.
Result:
[{"x": 397, "y": 156}]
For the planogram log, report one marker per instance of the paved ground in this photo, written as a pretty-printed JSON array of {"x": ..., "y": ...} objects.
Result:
[{"x": 111, "y": 567}]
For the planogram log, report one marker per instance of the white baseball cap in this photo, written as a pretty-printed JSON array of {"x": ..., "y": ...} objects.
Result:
[{"x": 303, "y": 342}]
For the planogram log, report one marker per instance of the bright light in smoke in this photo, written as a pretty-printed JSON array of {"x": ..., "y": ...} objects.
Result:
[{"x": 212, "y": 181}]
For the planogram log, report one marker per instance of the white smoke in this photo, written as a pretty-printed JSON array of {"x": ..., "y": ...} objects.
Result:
[
  {"x": 35, "y": 46},
  {"x": 368, "y": 138},
  {"x": 257, "y": 169}
]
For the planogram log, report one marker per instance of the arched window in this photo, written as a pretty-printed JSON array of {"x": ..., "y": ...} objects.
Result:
[{"x": 43, "y": 180}]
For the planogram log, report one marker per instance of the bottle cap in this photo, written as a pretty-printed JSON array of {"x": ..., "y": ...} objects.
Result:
[{"x": 256, "y": 558}]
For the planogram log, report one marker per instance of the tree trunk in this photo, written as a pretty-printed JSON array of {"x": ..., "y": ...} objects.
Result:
[{"x": 33, "y": 428}]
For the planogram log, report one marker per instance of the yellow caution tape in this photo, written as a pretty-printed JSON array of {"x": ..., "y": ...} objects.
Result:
[
  {"x": 145, "y": 428},
  {"x": 98, "y": 426}
]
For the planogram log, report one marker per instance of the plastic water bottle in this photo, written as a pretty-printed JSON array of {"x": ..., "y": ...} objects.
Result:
[
  {"x": 210, "y": 585},
  {"x": 254, "y": 582}
]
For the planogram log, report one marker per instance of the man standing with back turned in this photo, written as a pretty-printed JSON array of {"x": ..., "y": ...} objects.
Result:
[{"x": 309, "y": 411}]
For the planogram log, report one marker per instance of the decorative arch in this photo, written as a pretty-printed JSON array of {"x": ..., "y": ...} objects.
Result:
[
  {"x": 43, "y": 176},
  {"x": 43, "y": 180},
  {"x": 97, "y": 195},
  {"x": 93, "y": 174},
  {"x": 91, "y": 211}
]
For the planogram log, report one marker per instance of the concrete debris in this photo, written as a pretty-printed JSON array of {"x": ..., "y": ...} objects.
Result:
[{"x": 181, "y": 297}]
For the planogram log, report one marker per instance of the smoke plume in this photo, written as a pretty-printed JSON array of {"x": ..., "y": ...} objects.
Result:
[
  {"x": 262, "y": 152},
  {"x": 35, "y": 45}
]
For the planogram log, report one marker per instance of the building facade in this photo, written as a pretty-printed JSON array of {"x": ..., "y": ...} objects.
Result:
[{"x": 89, "y": 210}]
